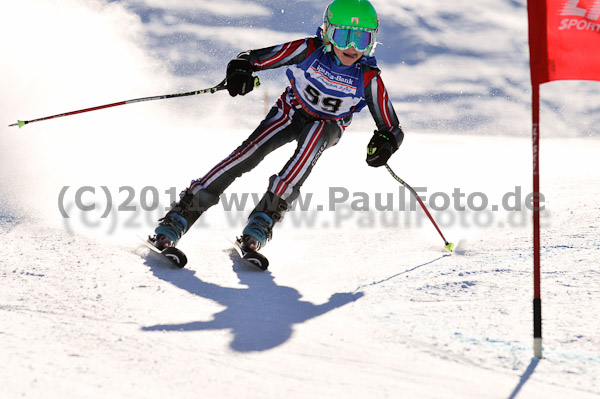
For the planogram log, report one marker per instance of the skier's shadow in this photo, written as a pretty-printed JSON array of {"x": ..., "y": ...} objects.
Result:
[{"x": 260, "y": 317}]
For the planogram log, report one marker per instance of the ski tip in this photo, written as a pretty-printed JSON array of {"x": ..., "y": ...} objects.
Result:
[{"x": 449, "y": 246}]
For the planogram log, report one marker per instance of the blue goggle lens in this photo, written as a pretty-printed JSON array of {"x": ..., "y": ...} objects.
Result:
[{"x": 344, "y": 38}]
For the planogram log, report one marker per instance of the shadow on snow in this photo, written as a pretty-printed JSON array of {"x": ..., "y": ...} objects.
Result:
[
  {"x": 260, "y": 316},
  {"x": 524, "y": 378}
]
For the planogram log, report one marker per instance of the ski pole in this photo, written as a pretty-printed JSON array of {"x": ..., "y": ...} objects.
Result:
[
  {"x": 214, "y": 89},
  {"x": 448, "y": 246}
]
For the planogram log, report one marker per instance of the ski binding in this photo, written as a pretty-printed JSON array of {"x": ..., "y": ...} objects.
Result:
[
  {"x": 174, "y": 255},
  {"x": 256, "y": 259}
]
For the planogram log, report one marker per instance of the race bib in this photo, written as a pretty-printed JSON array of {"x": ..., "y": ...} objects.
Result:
[{"x": 326, "y": 90}]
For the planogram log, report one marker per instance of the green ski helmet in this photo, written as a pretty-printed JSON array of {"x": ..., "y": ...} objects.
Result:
[{"x": 351, "y": 23}]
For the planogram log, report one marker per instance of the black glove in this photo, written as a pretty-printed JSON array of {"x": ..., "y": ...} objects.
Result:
[
  {"x": 239, "y": 77},
  {"x": 381, "y": 147}
]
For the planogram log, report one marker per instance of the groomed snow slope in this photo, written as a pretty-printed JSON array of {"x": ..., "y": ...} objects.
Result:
[{"x": 357, "y": 302}]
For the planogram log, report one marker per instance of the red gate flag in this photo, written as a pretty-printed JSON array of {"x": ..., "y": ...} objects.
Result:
[
  {"x": 564, "y": 44},
  {"x": 564, "y": 40}
]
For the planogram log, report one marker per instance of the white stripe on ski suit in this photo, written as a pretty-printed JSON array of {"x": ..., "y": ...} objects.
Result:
[
  {"x": 279, "y": 55},
  {"x": 283, "y": 186},
  {"x": 281, "y": 120}
]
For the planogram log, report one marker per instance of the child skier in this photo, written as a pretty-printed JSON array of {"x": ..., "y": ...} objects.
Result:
[{"x": 332, "y": 76}]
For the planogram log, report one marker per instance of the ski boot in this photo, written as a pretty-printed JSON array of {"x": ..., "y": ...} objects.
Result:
[
  {"x": 174, "y": 225},
  {"x": 179, "y": 219},
  {"x": 255, "y": 236},
  {"x": 259, "y": 229},
  {"x": 169, "y": 230},
  {"x": 257, "y": 232}
]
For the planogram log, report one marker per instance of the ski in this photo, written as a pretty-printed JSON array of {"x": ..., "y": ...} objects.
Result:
[
  {"x": 254, "y": 258},
  {"x": 175, "y": 256}
]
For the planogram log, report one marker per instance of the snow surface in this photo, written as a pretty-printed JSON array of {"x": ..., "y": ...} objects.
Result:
[{"x": 355, "y": 303}]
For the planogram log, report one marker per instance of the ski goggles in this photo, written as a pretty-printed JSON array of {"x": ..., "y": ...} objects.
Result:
[{"x": 344, "y": 38}]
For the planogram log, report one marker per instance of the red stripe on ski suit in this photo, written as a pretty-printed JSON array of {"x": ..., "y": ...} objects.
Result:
[
  {"x": 382, "y": 97},
  {"x": 223, "y": 164},
  {"x": 282, "y": 186},
  {"x": 282, "y": 54},
  {"x": 369, "y": 75}
]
